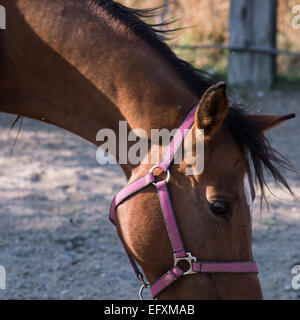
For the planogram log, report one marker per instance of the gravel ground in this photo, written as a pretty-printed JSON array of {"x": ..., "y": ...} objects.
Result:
[{"x": 55, "y": 238}]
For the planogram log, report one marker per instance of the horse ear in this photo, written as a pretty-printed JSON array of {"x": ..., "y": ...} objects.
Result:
[
  {"x": 212, "y": 110},
  {"x": 266, "y": 122}
]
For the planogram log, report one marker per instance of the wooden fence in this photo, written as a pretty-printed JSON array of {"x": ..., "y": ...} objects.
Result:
[{"x": 252, "y": 43}]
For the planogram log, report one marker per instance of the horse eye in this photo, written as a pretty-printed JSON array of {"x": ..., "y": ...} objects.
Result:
[{"x": 220, "y": 209}]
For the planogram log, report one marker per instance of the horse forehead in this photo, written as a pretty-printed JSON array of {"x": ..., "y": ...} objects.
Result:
[
  {"x": 224, "y": 150},
  {"x": 225, "y": 162}
]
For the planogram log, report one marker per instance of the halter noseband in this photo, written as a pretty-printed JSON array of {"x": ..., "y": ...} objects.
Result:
[{"x": 179, "y": 251}]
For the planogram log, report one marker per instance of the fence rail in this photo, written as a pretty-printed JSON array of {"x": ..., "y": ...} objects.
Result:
[{"x": 239, "y": 49}]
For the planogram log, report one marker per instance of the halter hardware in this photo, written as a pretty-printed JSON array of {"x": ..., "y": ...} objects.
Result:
[
  {"x": 168, "y": 174},
  {"x": 145, "y": 285},
  {"x": 190, "y": 259},
  {"x": 180, "y": 253}
]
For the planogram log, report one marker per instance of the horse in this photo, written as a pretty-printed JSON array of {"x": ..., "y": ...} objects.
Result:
[{"x": 86, "y": 65}]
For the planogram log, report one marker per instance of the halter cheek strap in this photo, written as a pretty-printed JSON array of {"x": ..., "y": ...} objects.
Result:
[{"x": 179, "y": 251}]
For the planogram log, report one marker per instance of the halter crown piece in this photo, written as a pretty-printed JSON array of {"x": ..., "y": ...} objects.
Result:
[{"x": 179, "y": 251}]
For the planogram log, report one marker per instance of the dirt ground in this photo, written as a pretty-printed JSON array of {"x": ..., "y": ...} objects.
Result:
[{"x": 55, "y": 238}]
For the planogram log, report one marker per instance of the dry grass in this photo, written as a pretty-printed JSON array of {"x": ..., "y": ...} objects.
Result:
[{"x": 207, "y": 23}]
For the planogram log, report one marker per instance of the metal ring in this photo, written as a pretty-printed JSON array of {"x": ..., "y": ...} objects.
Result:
[
  {"x": 144, "y": 286},
  {"x": 168, "y": 173}
]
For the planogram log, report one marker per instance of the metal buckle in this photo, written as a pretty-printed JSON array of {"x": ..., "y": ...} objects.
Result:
[
  {"x": 145, "y": 285},
  {"x": 168, "y": 174},
  {"x": 190, "y": 259}
]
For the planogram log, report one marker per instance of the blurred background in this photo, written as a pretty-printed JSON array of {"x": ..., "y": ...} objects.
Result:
[
  {"x": 207, "y": 23},
  {"x": 56, "y": 241}
]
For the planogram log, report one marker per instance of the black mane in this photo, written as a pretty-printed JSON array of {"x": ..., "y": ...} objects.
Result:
[
  {"x": 261, "y": 156},
  {"x": 154, "y": 34}
]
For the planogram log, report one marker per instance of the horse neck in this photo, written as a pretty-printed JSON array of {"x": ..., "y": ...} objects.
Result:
[{"x": 65, "y": 66}]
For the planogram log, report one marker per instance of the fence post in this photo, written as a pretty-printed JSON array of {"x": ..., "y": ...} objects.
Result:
[{"x": 252, "y": 23}]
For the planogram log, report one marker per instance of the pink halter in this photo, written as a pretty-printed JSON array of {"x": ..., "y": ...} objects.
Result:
[{"x": 179, "y": 251}]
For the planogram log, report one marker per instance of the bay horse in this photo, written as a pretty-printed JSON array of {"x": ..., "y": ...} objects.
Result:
[{"x": 84, "y": 65}]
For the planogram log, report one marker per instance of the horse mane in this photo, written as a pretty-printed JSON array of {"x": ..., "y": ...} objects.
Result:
[
  {"x": 261, "y": 156},
  {"x": 198, "y": 81}
]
